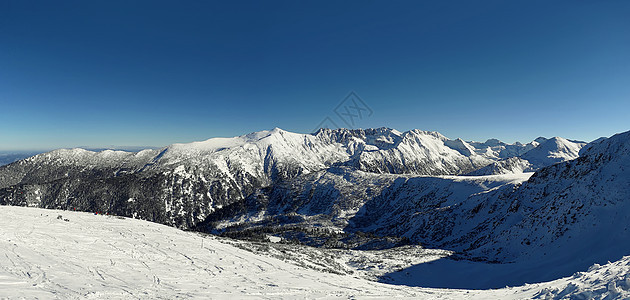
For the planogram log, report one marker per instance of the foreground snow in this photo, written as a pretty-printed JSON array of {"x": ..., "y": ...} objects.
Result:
[{"x": 81, "y": 255}]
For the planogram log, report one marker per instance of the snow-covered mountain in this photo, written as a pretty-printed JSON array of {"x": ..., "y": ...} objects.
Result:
[
  {"x": 413, "y": 152},
  {"x": 565, "y": 214},
  {"x": 572, "y": 207},
  {"x": 498, "y": 149},
  {"x": 183, "y": 183},
  {"x": 366, "y": 189},
  {"x": 546, "y": 152},
  {"x": 569, "y": 215}
]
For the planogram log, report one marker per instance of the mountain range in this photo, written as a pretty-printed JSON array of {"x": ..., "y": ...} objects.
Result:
[
  {"x": 182, "y": 184},
  {"x": 552, "y": 201}
]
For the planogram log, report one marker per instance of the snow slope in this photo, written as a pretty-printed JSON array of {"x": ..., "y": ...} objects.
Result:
[
  {"x": 86, "y": 256},
  {"x": 95, "y": 256},
  {"x": 568, "y": 215},
  {"x": 569, "y": 205}
]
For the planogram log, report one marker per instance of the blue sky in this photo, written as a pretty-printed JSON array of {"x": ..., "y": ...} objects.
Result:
[{"x": 101, "y": 73}]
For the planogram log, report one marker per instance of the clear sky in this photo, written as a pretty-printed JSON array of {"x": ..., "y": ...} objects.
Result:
[{"x": 101, "y": 73}]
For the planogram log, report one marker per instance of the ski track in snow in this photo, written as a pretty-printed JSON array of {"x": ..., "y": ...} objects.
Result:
[{"x": 96, "y": 256}]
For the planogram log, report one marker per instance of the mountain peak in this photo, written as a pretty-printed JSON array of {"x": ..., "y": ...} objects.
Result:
[
  {"x": 277, "y": 130},
  {"x": 540, "y": 139},
  {"x": 553, "y": 150}
]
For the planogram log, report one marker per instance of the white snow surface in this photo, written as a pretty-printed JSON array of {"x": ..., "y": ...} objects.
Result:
[{"x": 48, "y": 254}]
